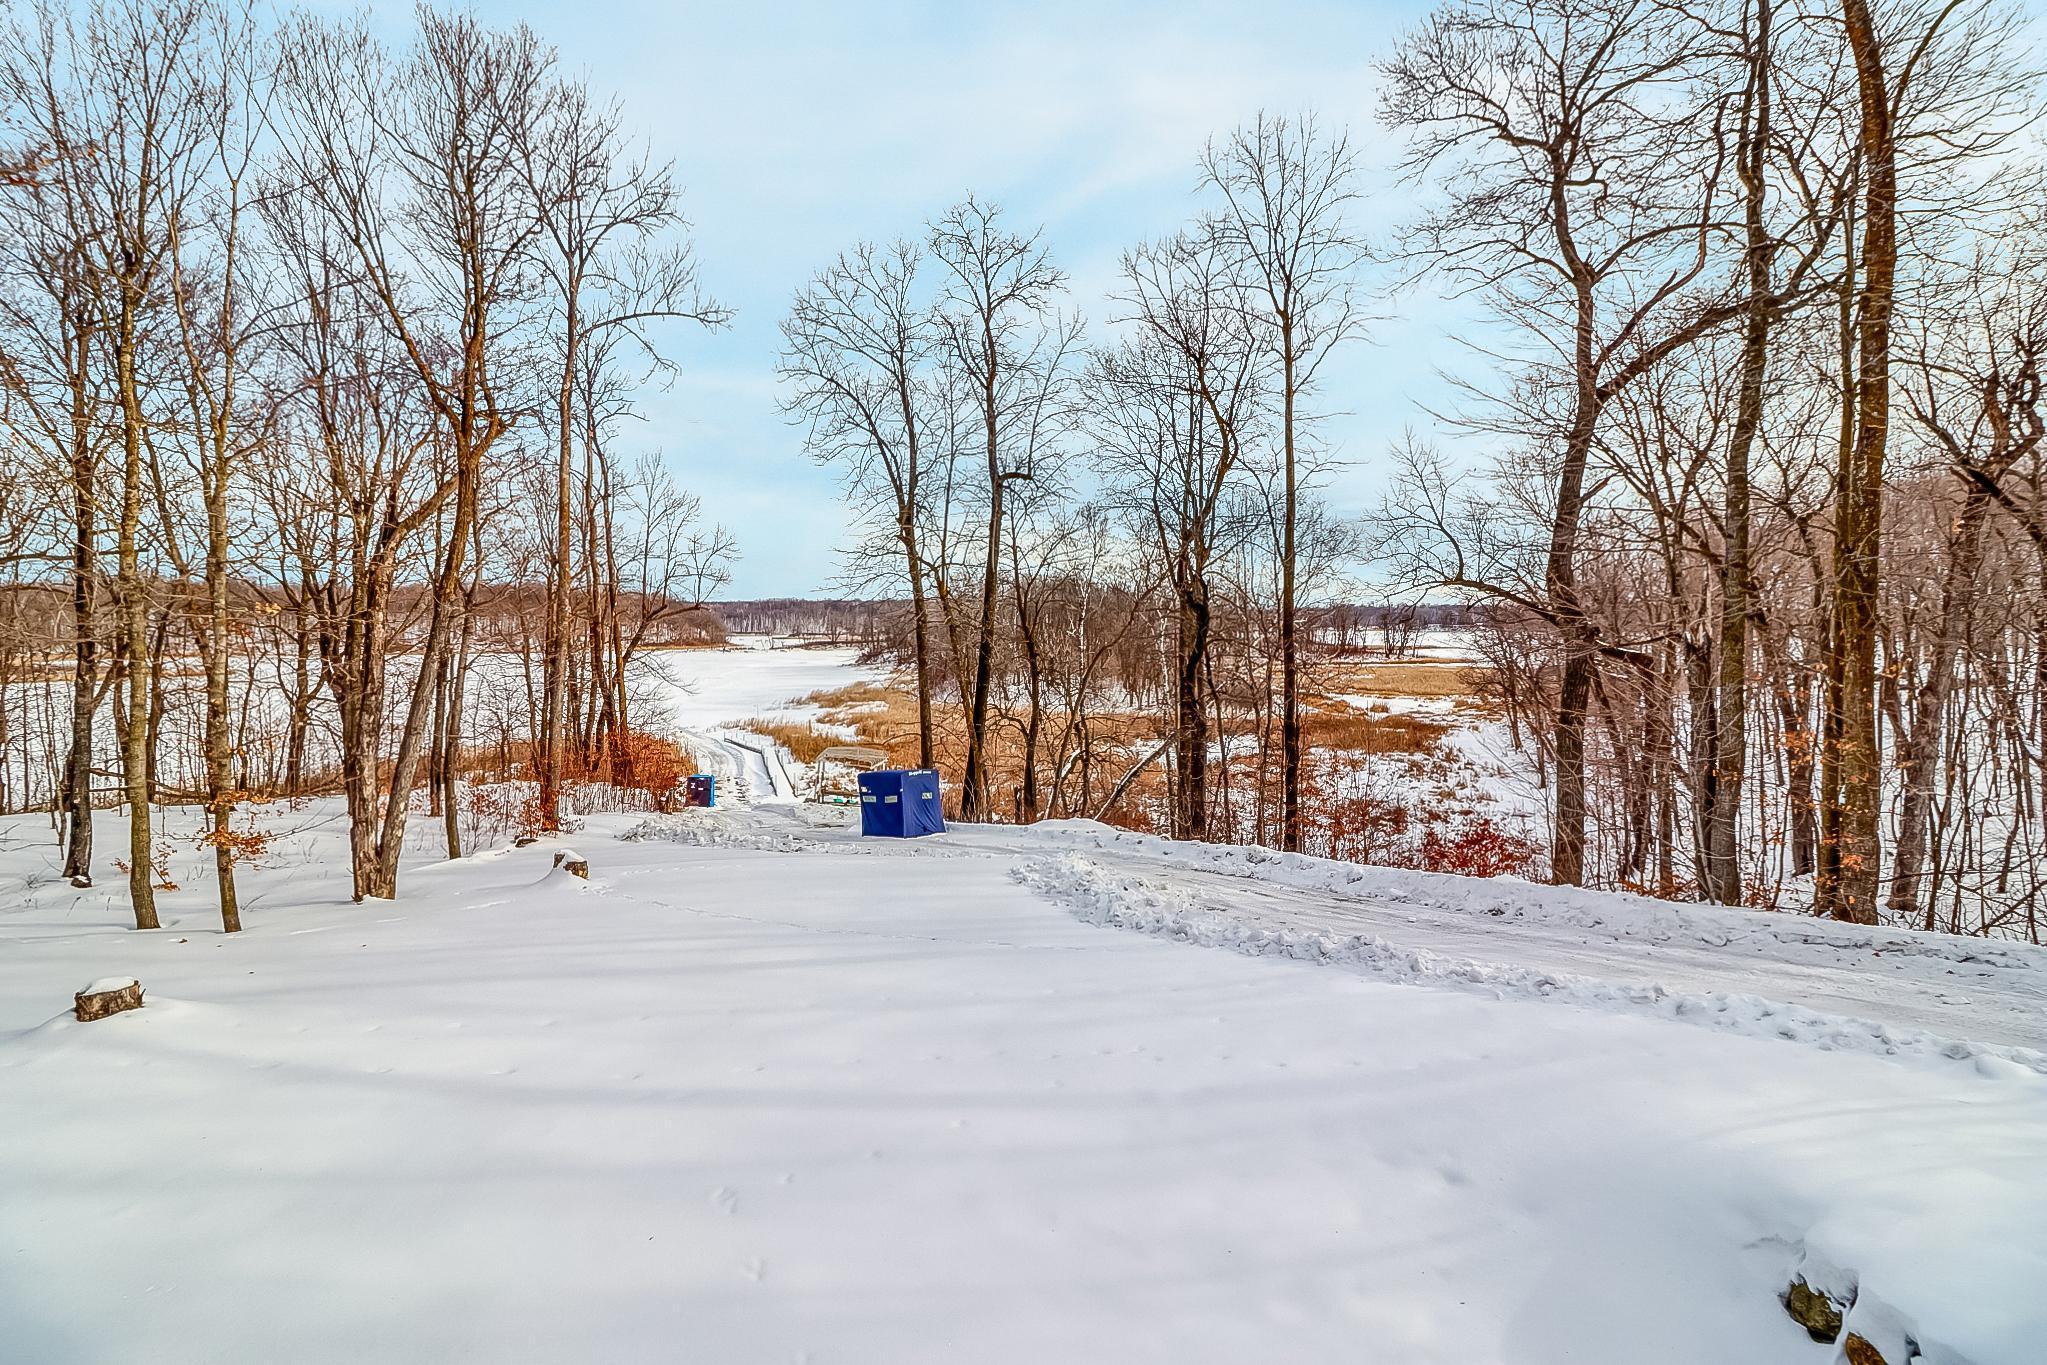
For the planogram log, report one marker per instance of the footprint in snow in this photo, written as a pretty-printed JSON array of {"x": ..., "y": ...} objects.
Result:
[{"x": 725, "y": 1200}]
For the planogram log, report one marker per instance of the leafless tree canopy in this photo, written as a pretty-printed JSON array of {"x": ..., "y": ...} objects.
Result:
[{"x": 320, "y": 354}]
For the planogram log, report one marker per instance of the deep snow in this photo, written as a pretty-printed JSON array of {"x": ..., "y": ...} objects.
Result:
[{"x": 761, "y": 1092}]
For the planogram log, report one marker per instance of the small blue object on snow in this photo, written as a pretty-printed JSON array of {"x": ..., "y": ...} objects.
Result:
[
  {"x": 900, "y": 803},
  {"x": 701, "y": 790}
]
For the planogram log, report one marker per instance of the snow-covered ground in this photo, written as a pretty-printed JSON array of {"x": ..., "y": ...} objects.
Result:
[
  {"x": 754, "y": 677},
  {"x": 705, "y": 690},
  {"x": 761, "y": 1091},
  {"x": 1837, "y": 986},
  {"x": 1473, "y": 766},
  {"x": 701, "y": 692}
]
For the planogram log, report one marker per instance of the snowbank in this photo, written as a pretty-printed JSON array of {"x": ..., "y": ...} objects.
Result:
[
  {"x": 1512, "y": 900},
  {"x": 1102, "y": 894}
]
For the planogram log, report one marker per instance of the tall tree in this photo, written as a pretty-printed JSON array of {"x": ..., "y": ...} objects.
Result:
[
  {"x": 856, "y": 345},
  {"x": 212, "y": 297},
  {"x": 1940, "y": 73},
  {"x": 1288, "y": 188},
  {"x": 1578, "y": 196},
  {"x": 417, "y": 164},
  {"x": 1175, "y": 409},
  {"x": 603, "y": 214},
  {"x": 121, "y": 102},
  {"x": 1012, "y": 352},
  {"x": 57, "y": 399}
]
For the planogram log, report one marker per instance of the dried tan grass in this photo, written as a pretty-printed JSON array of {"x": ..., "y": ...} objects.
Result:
[
  {"x": 1403, "y": 678},
  {"x": 1349, "y": 730},
  {"x": 803, "y": 740}
]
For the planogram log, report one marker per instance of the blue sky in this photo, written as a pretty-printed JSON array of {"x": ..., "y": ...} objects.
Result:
[{"x": 799, "y": 129}]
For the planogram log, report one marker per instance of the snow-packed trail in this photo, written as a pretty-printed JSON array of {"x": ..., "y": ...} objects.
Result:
[
  {"x": 748, "y": 766},
  {"x": 703, "y": 692},
  {"x": 1965, "y": 990},
  {"x": 1821, "y": 983},
  {"x": 1972, "y": 1001},
  {"x": 803, "y": 1097}
]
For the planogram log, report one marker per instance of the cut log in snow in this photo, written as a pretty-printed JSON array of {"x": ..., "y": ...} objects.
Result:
[
  {"x": 1819, "y": 1296},
  {"x": 109, "y": 995},
  {"x": 1813, "y": 1310},
  {"x": 1877, "y": 1334},
  {"x": 575, "y": 864}
]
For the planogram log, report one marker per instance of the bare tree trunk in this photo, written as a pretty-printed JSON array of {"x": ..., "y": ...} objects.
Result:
[
  {"x": 220, "y": 753},
  {"x": 974, "y": 786},
  {"x": 1921, "y": 744},
  {"x": 301, "y": 701},
  {"x": 135, "y": 663},
  {"x": 554, "y": 718},
  {"x": 451, "y": 732},
  {"x": 1859, "y": 521},
  {"x": 1722, "y": 880},
  {"x": 77, "y": 796},
  {"x": 1289, "y": 651},
  {"x": 1827, "y": 865},
  {"x": 405, "y": 763},
  {"x": 1191, "y": 715},
  {"x": 920, "y": 636}
]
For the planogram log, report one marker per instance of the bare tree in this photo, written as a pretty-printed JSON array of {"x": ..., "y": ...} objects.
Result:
[
  {"x": 1288, "y": 188},
  {"x": 602, "y": 214},
  {"x": 417, "y": 163},
  {"x": 215, "y": 312},
  {"x": 856, "y": 347},
  {"x": 1974, "y": 388},
  {"x": 1583, "y": 195},
  {"x": 56, "y": 390},
  {"x": 120, "y": 101},
  {"x": 1013, "y": 352},
  {"x": 1935, "y": 74},
  {"x": 1175, "y": 409}
]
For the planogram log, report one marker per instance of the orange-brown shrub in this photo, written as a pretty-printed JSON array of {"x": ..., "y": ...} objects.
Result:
[
  {"x": 1363, "y": 829},
  {"x": 1478, "y": 848},
  {"x": 650, "y": 764}
]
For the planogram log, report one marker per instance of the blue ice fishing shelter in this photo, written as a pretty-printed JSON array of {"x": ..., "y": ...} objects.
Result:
[{"x": 898, "y": 803}]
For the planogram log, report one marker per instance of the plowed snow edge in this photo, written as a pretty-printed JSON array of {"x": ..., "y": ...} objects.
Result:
[{"x": 1097, "y": 894}]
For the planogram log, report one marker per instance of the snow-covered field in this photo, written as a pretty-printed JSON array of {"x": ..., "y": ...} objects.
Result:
[
  {"x": 701, "y": 692},
  {"x": 762, "y": 1091}
]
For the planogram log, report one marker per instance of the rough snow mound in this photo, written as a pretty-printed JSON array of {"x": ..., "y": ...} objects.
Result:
[
  {"x": 1613, "y": 914},
  {"x": 768, "y": 829},
  {"x": 1098, "y": 894},
  {"x": 790, "y": 827}
]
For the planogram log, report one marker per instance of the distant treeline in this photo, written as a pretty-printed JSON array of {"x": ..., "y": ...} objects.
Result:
[{"x": 876, "y": 623}]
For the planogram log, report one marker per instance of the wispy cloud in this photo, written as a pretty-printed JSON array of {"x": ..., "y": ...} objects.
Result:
[{"x": 800, "y": 129}]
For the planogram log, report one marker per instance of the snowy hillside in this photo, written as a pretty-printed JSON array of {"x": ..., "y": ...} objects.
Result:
[{"x": 760, "y": 1091}]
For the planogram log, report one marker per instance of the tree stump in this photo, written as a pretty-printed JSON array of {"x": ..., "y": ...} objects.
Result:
[
  {"x": 575, "y": 864},
  {"x": 110, "y": 995}
]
